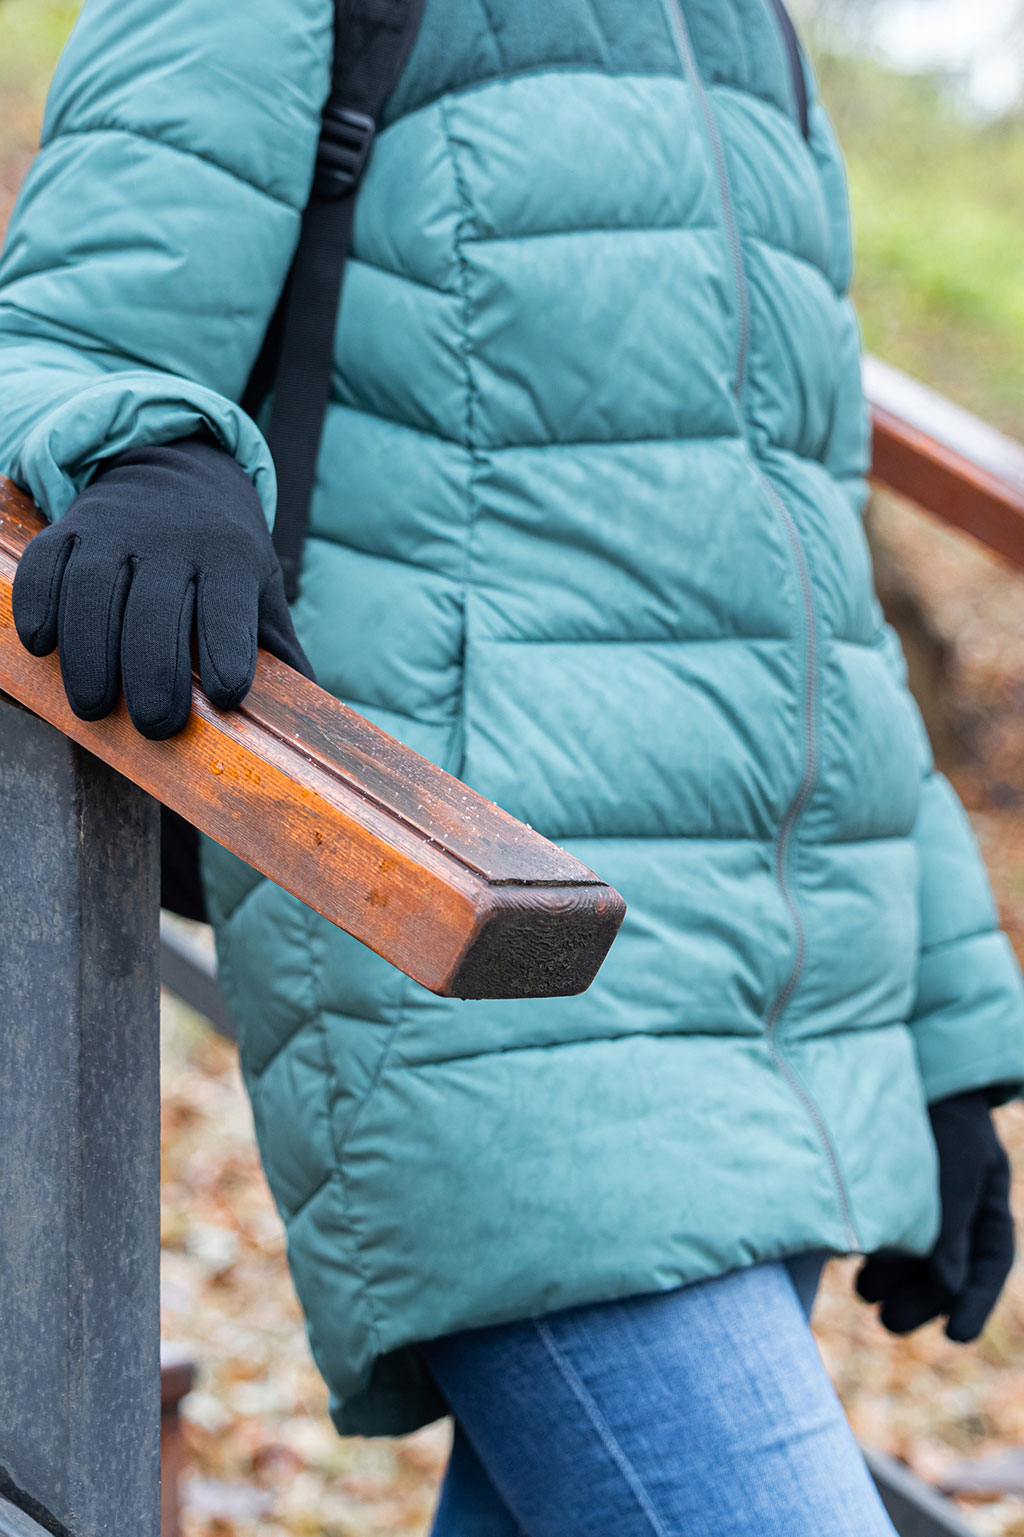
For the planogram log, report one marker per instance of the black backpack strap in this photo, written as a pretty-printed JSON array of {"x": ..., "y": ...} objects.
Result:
[{"x": 372, "y": 41}]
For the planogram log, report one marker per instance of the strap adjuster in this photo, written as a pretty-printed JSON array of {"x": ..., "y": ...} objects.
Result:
[{"x": 345, "y": 141}]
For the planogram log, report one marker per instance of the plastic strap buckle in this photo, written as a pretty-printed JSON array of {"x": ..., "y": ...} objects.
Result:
[{"x": 345, "y": 141}]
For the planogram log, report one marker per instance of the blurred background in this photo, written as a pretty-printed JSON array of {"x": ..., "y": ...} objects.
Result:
[{"x": 928, "y": 99}]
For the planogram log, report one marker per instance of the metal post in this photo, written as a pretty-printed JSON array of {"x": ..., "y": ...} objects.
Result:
[
  {"x": 79, "y": 1140},
  {"x": 915, "y": 1509}
]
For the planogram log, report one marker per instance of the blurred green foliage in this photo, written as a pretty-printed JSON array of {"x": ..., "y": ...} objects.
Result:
[
  {"x": 938, "y": 204},
  {"x": 938, "y": 210},
  {"x": 32, "y": 33}
]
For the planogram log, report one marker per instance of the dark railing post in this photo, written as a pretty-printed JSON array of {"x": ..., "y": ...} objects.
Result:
[
  {"x": 79, "y": 1140},
  {"x": 15, "y": 1523}
]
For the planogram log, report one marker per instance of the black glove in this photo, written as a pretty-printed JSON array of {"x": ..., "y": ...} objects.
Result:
[
  {"x": 160, "y": 538},
  {"x": 965, "y": 1272}
]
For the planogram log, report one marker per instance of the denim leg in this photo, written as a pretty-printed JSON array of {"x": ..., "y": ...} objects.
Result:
[
  {"x": 469, "y": 1505},
  {"x": 700, "y": 1412}
]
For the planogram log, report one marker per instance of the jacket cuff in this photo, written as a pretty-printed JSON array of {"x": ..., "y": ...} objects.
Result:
[
  {"x": 125, "y": 410},
  {"x": 970, "y": 1040}
]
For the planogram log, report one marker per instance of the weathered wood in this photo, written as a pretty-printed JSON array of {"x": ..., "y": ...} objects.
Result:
[
  {"x": 177, "y": 1375},
  {"x": 915, "y": 1509},
  {"x": 946, "y": 460},
  {"x": 14, "y": 1523},
  {"x": 79, "y": 1138},
  {"x": 190, "y": 973},
  {"x": 425, "y": 871}
]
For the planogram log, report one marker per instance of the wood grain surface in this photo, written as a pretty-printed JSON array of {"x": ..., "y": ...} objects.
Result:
[{"x": 440, "y": 881}]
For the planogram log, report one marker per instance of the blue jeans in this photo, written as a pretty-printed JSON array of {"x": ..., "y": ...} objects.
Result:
[{"x": 700, "y": 1412}]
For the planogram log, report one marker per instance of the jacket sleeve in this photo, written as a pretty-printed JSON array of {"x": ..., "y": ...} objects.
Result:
[
  {"x": 968, "y": 1014},
  {"x": 154, "y": 232}
]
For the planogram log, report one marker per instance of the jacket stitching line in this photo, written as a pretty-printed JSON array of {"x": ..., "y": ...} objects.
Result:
[
  {"x": 605, "y": 1434},
  {"x": 375, "y": 704},
  {"x": 680, "y": 835},
  {"x": 517, "y": 237},
  {"x": 403, "y": 277},
  {"x": 544, "y": 443},
  {"x": 631, "y": 640},
  {"x": 532, "y": 71},
  {"x": 1003, "y": 1066},
  {"x": 342, "y": 543},
  {"x": 746, "y": 92},
  {"x": 176, "y": 149},
  {"x": 227, "y": 913},
  {"x": 492, "y": 30},
  {"x": 652, "y": 640},
  {"x": 90, "y": 348},
  {"x": 938, "y": 945},
  {"x": 456, "y": 753},
  {"x": 307, "y": 1200},
  {"x": 309, "y": 1017},
  {"x": 755, "y": 238},
  {"x": 709, "y": 1032}
]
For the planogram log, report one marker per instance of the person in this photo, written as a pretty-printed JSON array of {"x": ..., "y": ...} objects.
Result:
[{"x": 586, "y": 532}]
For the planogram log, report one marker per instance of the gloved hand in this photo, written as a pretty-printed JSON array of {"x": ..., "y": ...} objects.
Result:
[
  {"x": 965, "y": 1272},
  {"x": 161, "y": 539}
]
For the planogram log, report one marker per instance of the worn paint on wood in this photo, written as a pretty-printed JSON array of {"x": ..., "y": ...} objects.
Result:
[
  {"x": 79, "y": 1138},
  {"x": 434, "y": 877}
]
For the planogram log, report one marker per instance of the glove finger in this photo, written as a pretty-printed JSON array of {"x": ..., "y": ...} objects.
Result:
[
  {"x": 92, "y": 600},
  {"x": 909, "y": 1309},
  {"x": 963, "y": 1175},
  {"x": 35, "y": 598},
  {"x": 950, "y": 1260},
  {"x": 156, "y": 661},
  {"x": 991, "y": 1261},
  {"x": 883, "y": 1274},
  {"x": 226, "y": 618},
  {"x": 277, "y": 630}
]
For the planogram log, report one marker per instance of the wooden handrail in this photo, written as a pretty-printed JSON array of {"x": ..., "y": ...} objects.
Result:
[
  {"x": 946, "y": 460},
  {"x": 441, "y": 882}
]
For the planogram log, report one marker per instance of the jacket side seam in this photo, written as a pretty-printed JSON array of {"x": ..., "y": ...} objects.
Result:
[{"x": 467, "y": 218}]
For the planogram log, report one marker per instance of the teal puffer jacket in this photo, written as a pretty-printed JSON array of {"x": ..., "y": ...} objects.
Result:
[{"x": 587, "y": 533}]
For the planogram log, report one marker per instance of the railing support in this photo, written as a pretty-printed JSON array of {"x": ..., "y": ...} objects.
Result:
[
  {"x": 79, "y": 1139},
  {"x": 15, "y": 1523}
]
